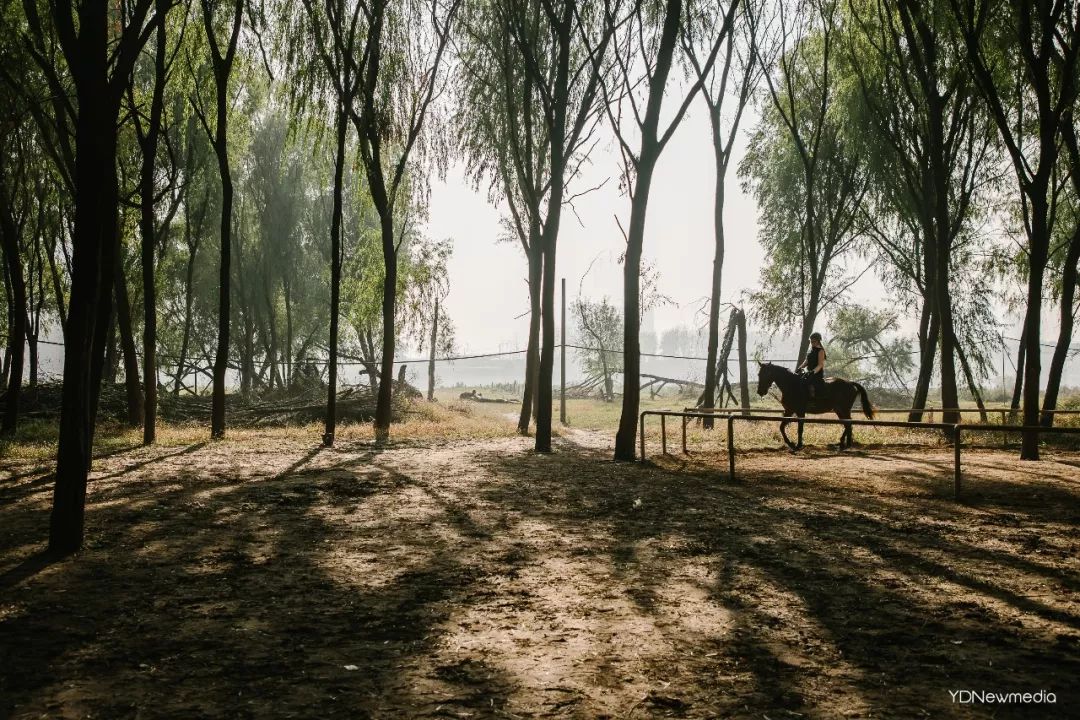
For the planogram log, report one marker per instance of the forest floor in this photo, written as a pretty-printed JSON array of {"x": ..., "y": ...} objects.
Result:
[{"x": 264, "y": 576}]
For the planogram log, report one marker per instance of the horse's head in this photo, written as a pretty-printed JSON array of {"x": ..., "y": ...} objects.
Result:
[{"x": 765, "y": 378}]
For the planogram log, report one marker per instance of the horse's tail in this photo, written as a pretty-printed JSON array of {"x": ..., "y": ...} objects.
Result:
[{"x": 867, "y": 408}]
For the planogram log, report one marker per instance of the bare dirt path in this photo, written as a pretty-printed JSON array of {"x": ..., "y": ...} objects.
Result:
[{"x": 477, "y": 579}]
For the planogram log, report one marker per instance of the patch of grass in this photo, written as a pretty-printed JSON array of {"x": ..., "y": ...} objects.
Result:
[{"x": 36, "y": 440}]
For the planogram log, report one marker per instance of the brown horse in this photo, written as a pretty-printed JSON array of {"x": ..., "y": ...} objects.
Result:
[{"x": 837, "y": 396}]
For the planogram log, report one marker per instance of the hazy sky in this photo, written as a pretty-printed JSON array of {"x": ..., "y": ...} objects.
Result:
[{"x": 488, "y": 286}]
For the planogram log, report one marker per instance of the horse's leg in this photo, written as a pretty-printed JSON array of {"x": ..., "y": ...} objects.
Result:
[
  {"x": 845, "y": 436},
  {"x": 783, "y": 431},
  {"x": 801, "y": 416}
]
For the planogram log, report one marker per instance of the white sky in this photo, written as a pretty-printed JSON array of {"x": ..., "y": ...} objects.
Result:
[{"x": 488, "y": 286}]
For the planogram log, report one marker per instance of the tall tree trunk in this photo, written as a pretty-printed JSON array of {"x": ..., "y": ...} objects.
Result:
[
  {"x": 708, "y": 397},
  {"x": 1065, "y": 331},
  {"x": 335, "y": 277},
  {"x": 383, "y": 406},
  {"x": 1039, "y": 243},
  {"x": 928, "y": 330},
  {"x": 939, "y": 191},
  {"x": 532, "y": 352},
  {"x": 222, "y": 65},
  {"x": 626, "y": 436},
  {"x": 189, "y": 298},
  {"x": 95, "y": 251},
  {"x": 16, "y": 340},
  {"x": 132, "y": 388},
  {"x": 431, "y": 360},
  {"x": 147, "y": 229}
]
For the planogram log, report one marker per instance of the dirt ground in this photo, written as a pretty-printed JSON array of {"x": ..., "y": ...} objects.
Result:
[{"x": 476, "y": 579}]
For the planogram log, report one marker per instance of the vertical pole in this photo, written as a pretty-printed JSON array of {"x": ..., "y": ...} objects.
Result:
[
  {"x": 562, "y": 360},
  {"x": 1004, "y": 433},
  {"x": 663, "y": 434},
  {"x": 684, "y": 435},
  {"x": 956, "y": 462},
  {"x": 731, "y": 445}
]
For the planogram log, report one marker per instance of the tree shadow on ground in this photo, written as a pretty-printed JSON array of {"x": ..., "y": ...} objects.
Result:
[
  {"x": 891, "y": 602},
  {"x": 212, "y": 598}
]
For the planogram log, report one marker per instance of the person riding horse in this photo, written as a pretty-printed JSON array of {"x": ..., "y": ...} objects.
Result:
[{"x": 814, "y": 364}]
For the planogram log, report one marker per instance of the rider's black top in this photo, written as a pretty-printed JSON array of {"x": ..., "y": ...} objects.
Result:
[{"x": 812, "y": 359}]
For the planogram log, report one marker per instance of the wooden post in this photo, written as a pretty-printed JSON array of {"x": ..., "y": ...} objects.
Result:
[
  {"x": 731, "y": 445},
  {"x": 684, "y": 450},
  {"x": 956, "y": 462},
  {"x": 663, "y": 434},
  {"x": 1004, "y": 433}
]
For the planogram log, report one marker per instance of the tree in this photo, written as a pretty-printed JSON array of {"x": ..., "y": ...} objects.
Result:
[
  {"x": 928, "y": 143},
  {"x": 800, "y": 166},
  {"x": 739, "y": 80},
  {"x": 100, "y": 52},
  {"x": 400, "y": 69},
  {"x": 530, "y": 127},
  {"x": 335, "y": 40},
  {"x": 599, "y": 328},
  {"x": 1042, "y": 41},
  {"x": 647, "y": 39},
  {"x": 221, "y": 59}
]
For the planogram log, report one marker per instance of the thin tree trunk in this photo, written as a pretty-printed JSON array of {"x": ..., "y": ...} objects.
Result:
[
  {"x": 16, "y": 340},
  {"x": 383, "y": 405},
  {"x": 1040, "y": 234},
  {"x": 532, "y": 352},
  {"x": 1065, "y": 331},
  {"x": 708, "y": 397},
  {"x": 146, "y": 226},
  {"x": 189, "y": 299},
  {"x": 928, "y": 328},
  {"x": 132, "y": 388},
  {"x": 431, "y": 359},
  {"x": 335, "y": 278},
  {"x": 222, "y": 65},
  {"x": 626, "y": 436}
]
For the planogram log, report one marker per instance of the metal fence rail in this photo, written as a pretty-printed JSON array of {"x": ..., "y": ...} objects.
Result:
[{"x": 956, "y": 431}]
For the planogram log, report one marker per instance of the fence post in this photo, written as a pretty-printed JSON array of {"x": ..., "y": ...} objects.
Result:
[
  {"x": 956, "y": 462},
  {"x": 641, "y": 425},
  {"x": 684, "y": 436},
  {"x": 731, "y": 445},
  {"x": 1004, "y": 433},
  {"x": 663, "y": 434}
]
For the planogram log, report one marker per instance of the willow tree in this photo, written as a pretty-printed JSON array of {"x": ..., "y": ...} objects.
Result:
[
  {"x": 398, "y": 63},
  {"x": 1038, "y": 44},
  {"x": 99, "y": 48},
  {"x": 222, "y": 57},
  {"x": 530, "y": 126},
  {"x": 726, "y": 92},
  {"x": 808, "y": 183},
  {"x": 928, "y": 140},
  {"x": 644, "y": 48},
  {"x": 334, "y": 27}
]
